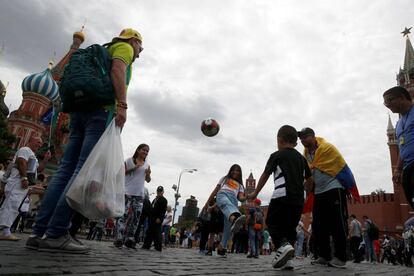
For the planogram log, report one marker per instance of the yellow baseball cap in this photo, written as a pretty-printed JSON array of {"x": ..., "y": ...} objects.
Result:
[{"x": 129, "y": 33}]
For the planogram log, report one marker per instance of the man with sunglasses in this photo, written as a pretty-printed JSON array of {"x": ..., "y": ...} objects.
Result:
[
  {"x": 398, "y": 100},
  {"x": 50, "y": 232}
]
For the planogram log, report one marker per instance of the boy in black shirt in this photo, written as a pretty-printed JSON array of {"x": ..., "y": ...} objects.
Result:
[{"x": 289, "y": 169}]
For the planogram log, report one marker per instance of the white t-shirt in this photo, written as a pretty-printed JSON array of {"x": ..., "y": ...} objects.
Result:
[
  {"x": 230, "y": 185},
  {"x": 27, "y": 154},
  {"x": 168, "y": 219},
  {"x": 135, "y": 180},
  {"x": 26, "y": 205}
]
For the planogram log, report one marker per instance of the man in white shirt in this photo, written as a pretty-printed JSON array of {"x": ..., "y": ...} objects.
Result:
[{"x": 25, "y": 164}]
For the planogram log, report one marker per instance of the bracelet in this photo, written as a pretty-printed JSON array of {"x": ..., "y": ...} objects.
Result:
[
  {"x": 123, "y": 105},
  {"x": 24, "y": 178}
]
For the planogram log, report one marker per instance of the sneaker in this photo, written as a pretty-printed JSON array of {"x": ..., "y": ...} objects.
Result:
[
  {"x": 256, "y": 256},
  {"x": 222, "y": 252},
  {"x": 249, "y": 256},
  {"x": 33, "y": 243},
  {"x": 130, "y": 244},
  {"x": 118, "y": 243},
  {"x": 283, "y": 254},
  {"x": 289, "y": 265},
  {"x": 335, "y": 262},
  {"x": 237, "y": 224},
  {"x": 320, "y": 261},
  {"x": 209, "y": 253},
  {"x": 64, "y": 244},
  {"x": 10, "y": 237}
]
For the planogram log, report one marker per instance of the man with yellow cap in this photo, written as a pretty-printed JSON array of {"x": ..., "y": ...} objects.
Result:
[{"x": 50, "y": 232}]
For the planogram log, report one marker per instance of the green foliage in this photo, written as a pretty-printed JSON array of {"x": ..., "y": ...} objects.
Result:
[{"x": 6, "y": 140}]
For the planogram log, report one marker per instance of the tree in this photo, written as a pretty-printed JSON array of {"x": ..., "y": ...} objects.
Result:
[
  {"x": 6, "y": 140},
  {"x": 378, "y": 191}
]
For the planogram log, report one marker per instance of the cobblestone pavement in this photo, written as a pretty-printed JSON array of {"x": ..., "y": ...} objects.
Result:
[{"x": 108, "y": 260}]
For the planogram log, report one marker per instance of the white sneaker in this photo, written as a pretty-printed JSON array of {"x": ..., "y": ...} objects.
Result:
[
  {"x": 238, "y": 223},
  {"x": 335, "y": 262},
  {"x": 283, "y": 254},
  {"x": 289, "y": 265}
]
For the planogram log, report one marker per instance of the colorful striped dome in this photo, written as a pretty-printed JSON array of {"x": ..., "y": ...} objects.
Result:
[{"x": 42, "y": 83}]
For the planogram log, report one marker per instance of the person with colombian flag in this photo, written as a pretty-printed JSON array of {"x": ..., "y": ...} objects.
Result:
[{"x": 332, "y": 182}]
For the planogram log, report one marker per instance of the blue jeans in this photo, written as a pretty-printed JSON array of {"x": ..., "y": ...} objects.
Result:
[
  {"x": 254, "y": 241},
  {"x": 55, "y": 214},
  {"x": 300, "y": 237},
  {"x": 369, "y": 249},
  {"x": 227, "y": 202}
]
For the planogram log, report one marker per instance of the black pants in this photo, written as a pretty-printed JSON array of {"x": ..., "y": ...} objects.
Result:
[
  {"x": 354, "y": 243},
  {"x": 153, "y": 234},
  {"x": 282, "y": 220},
  {"x": 203, "y": 235},
  {"x": 330, "y": 214},
  {"x": 408, "y": 184}
]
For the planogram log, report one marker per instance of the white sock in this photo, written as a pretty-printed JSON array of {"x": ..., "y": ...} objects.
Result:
[{"x": 6, "y": 231}]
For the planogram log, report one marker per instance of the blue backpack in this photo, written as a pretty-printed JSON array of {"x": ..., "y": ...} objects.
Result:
[{"x": 86, "y": 83}]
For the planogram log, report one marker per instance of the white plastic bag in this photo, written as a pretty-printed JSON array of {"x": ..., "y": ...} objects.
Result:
[{"x": 98, "y": 190}]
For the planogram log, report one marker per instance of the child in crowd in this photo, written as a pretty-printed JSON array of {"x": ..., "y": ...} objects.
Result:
[
  {"x": 289, "y": 169},
  {"x": 228, "y": 191}
]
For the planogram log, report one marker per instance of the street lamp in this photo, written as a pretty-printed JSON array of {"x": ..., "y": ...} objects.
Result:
[{"x": 176, "y": 188}]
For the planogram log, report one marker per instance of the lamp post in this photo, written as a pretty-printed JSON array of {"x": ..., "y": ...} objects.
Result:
[{"x": 176, "y": 188}]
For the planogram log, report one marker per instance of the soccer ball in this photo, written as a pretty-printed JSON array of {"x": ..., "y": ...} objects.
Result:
[{"x": 210, "y": 127}]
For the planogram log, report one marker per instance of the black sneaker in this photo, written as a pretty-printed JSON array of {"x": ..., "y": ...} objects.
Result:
[
  {"x": 130, "y": 244},
  {"x": 118, "y": 243},
  {"x": 222, "y": 252},
  {"x": 63, "y": 244},
  {"x": 33, "y": 243},
  {"x": 249, "y": 256},
  {"x": 209, "y": 253}
]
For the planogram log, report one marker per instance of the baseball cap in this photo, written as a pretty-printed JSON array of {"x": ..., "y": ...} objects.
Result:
[
  {"x": 257, "y": 201},
  {"x": 160, "y": 189},
  {"x": 305, "y": 132},
  {"x": 129, "y": 33}
]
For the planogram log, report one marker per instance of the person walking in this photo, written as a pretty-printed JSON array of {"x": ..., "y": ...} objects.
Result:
[
  {"x": 371, "y": 235},
  {"x": 331, "y": 176},
  {"x": 157, "y": 213},
  {"x": 50, "y": 232},
  {"x": 227, "y": 192},
  {"x": 355, "y": 238},
  {"x": 137, "y": 172},
  {"x": 166, "y": 225},
  {"x": 22, "y": 174},
  {"x": 255, "y": 221},
  {"x": 289, "y": 169}
]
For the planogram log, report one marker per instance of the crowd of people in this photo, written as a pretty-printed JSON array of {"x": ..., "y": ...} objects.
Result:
[{"x": 320, "y": 173}]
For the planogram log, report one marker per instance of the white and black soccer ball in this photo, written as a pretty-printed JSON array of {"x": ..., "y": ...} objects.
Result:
[{"x": 210, "y": 127}]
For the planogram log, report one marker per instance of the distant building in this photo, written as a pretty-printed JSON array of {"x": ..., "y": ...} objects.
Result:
[{"x": 190, "y": 210}]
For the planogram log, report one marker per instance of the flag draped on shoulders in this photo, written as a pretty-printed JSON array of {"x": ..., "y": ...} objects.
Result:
[{"x": 330, "y": 161}]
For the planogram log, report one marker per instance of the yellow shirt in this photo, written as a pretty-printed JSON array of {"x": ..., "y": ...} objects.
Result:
[{"x": 123, "y": 51}]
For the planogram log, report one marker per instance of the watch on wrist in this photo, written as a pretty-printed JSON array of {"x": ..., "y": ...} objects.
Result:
[{"x": 24, "y": 178}]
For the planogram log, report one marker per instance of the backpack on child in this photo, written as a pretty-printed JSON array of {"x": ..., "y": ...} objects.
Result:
[
  {"x": 86, "y": 83},
  {"x": 258, "y": 221}
]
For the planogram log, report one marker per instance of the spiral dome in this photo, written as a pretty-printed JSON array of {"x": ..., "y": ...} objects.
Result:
[{"x": 42, "y": 83}]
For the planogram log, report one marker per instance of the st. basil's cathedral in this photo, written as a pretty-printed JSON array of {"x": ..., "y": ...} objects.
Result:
[{"x": 38, "y": 114}]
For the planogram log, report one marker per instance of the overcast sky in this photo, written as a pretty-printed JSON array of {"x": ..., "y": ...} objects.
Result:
[{"x": 252, "y": 65}]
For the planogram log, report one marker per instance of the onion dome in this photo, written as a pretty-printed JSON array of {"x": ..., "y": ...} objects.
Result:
[{"x": 43, "y": 84}]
